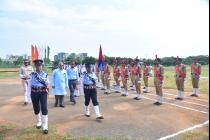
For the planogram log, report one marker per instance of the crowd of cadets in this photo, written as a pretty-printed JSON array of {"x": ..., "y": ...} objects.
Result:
[
  {"x": 36, "y": 83},
  {"x": 131, "y": 73}
]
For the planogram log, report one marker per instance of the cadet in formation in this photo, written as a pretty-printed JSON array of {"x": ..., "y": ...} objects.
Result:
[
  {"x": 39, "y": 93},
  {"x": 158, "y": 81},
  {"x": 59, "y": 84},
  {"x": 25, "y": 72},
  {"x": 89, "y": 80},
  {"x": 136, "y": 72},
  {"x": 146, "y": 72},
  {"x": 124, "y": 77},
  {"x": 117, "y": 78},
  {"x": 107, "y": 78},
  {"x": 195, "y": 76},
  {"x": 180, "y": 77}
]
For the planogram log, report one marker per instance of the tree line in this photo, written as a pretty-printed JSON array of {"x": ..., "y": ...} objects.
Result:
[{"x": 166, "y": 61}]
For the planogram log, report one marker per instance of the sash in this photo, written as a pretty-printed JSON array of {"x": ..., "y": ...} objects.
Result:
[
  {"x": 181, "y": 74},
  {"x": 195, "y": 70},
  {"x": 157, "y": 73}
]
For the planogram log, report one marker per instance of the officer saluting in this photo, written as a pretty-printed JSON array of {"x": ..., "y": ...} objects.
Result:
[
  {"x": 89, "y": 82},
  {"x": 39, "y": 94}
]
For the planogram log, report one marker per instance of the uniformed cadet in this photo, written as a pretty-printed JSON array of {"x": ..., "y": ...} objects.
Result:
[
  {"x": 114, "y": 67},
  {"x": 117, "y": 78},
  {"x": 73, "y": 79},
  {"x": 124, "y": 77},
  {"x": 107, "y": 78},
  {"x": 146, "y": 77},
  {"x": 59, "y": 84},
  {"x": 180, "y": 76},
  {"x": 89, "y": 82},
  {"x": 25, "y": 72},
  {"x": 195, "y": 76},
  {"x": 132, "y": 75},
  {"x": 39, "y": 94},
  {"x": 137, "y": 79},
  {"x": 158, "y": 81},
  {"x": 103, "y": 79}
]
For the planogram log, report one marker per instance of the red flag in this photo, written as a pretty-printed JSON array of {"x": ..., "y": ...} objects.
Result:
[
  {"x": 36, "y": 52},
  {"x": 32, "y": 53}
]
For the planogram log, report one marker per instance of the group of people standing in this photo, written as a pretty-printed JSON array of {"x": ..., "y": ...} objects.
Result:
[
  {"x": 36, "y": 83},
  {"x": 132, "y": 71}
]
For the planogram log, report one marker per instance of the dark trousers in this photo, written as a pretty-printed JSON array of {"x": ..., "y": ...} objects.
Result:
[
  {"x": 39, "y": 101},
  {"x": 59, "y": 98},
  {"x": 90, "y": 94},
  {"x": 72, "y": 86}
]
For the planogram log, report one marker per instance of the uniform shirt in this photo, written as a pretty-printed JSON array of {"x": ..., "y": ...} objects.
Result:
[
  {"x": 25, "y": 72},
  {"x": 197, "y": 66},
  {"x": 160, "y": 70},
  {"x": 34, "y": 82},
  {"x": 72, "y": 73},
  {"x": 59, "y": 80},
  {"x": 86, "y": 80},
  {"x": 182, "y": 69}
]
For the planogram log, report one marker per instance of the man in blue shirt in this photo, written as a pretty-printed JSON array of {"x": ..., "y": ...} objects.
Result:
[
  {"x": 38, "y": 83},
  {"x": 89, "y": 82},
  {"x": 73, "y": 78}
]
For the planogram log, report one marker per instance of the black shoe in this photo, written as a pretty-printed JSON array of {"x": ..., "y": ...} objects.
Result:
[
  {"x": 25, "y": 103},
  {"x": 193, "y": 95},
  {"x": 157, "y": 103},
  {"x": 144, "y": 87},
  {"x": 145, "y": 92},
  {"x": 131, "y": 86},
  {"x": 38, "y": 127},
  {"x": 100, "y": 118},
  {"x": 136, "y": 98},
  {"x": 117, "y": 92},
  {"x": 55, "y": 105},
  {"x": 45, "y": 131},
  {"x": 177, "y": 98},
  {"x": 74, "y": 103},
  {"x": 62, "y": 106},
  {"x": 87, "y": 115}
]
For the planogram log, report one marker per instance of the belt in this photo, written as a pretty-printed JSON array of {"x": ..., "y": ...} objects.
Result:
[
  {"x": 89, "y": 86},
  {"x": 73, "y": 79},
  {"x": 38, "y": 89}
]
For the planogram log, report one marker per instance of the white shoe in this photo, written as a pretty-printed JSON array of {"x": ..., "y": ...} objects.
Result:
[
  {"x": 45, "y": 122},
  {"x": 98, "y": 115},
  {"x": 38, "y": 121},
  {"x": 87, "y": 111}
]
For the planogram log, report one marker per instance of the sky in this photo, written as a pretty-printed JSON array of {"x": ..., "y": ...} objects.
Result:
[{"x": 126, "y": 28}]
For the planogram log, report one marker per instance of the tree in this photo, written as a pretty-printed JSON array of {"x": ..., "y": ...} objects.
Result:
[
  {"x": 90, "y": 59},
  {"x": 19, "y": 61},
  {"x": 48, "y": 52}
]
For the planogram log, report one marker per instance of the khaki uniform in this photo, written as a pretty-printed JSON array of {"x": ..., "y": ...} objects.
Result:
[
  {"x": 97, "y": 72},
  {"x": 146, "y": 77},
  {"x": 158, "y": 82},
  {"x": 117, "y": 78},
  {"x": 103, "y": 79},
  {"x": 132, "y": 75},
  {"x": 124, "y": 76},
  {"x": 137, "y": 75},
  {"x": 180, "y": 78},
  {"x": 25, "y": 73},
  {"x": 195, "y": 76},
  {"x": 107, "y": 78}
]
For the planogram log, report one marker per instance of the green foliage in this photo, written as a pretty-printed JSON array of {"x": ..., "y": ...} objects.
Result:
[{"x": 90, "y": 59}]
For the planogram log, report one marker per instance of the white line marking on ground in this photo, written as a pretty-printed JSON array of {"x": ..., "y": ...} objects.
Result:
[
  {"x": 179, "y": 106},
  {"x": 166, "y": 93},
  {"x": 184, "y": 131},
  {"x": 183, "y": 101},
  {"x": 183, "y": 107}
]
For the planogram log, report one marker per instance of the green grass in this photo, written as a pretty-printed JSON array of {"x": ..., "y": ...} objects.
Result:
[
  {"x": 4, "y": 129},
  {"x": 195, "y": 135},
  {"x": 169, "y": 81},
  {"x": 35, "y": 134},
  {"x": 8, "y": 75}
]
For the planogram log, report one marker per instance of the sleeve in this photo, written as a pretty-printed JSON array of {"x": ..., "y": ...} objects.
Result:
[
  {"x": 21, "y": 73},
  {"x": 66, "y": 80},
  {"x": 95, "y": 77},
  {"x": 53, "y": 79},
  {"x": 185, "y": 72}
]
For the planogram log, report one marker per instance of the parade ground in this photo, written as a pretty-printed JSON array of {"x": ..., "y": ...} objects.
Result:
[{"x": 125, "y": 118}]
